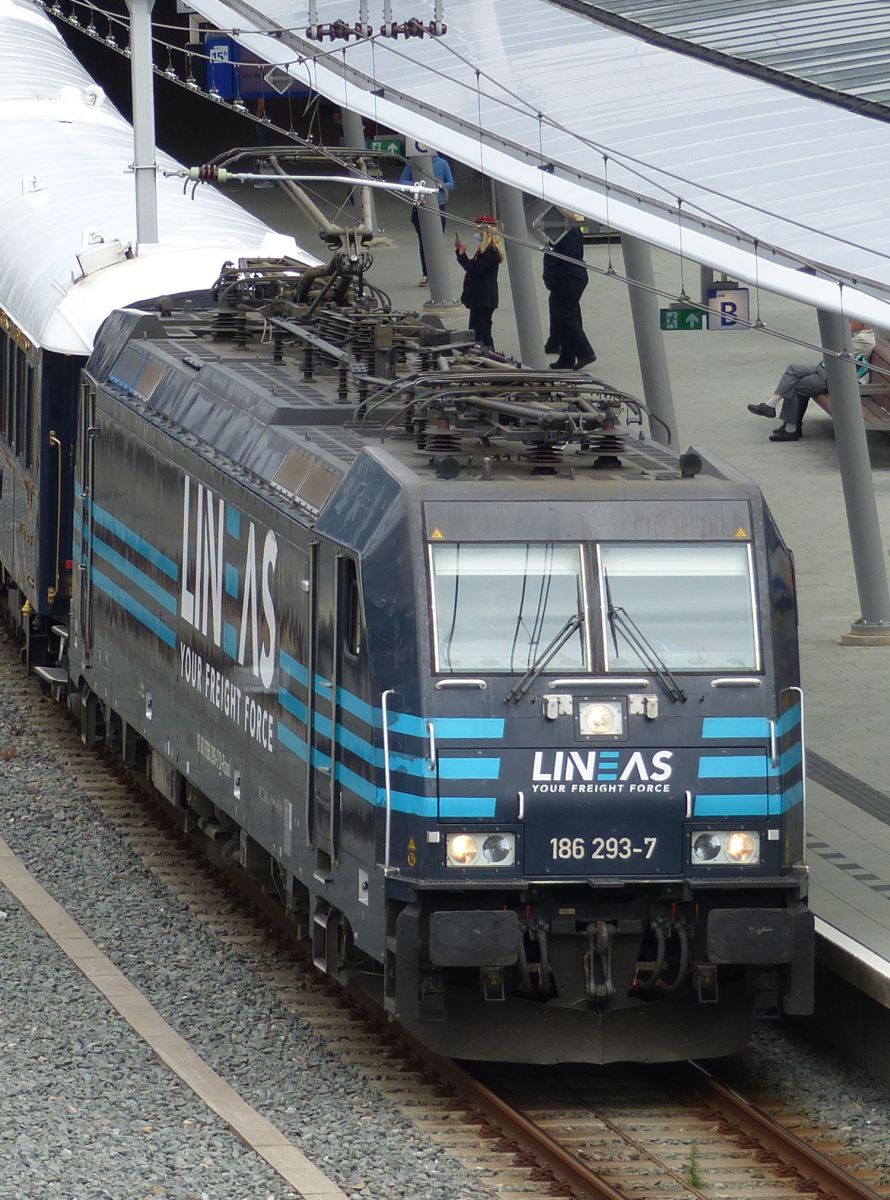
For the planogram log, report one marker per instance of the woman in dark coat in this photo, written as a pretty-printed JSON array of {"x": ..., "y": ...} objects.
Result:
[
  {"x": 565, "y": 281},
  {"x": 480, "y": 293}
]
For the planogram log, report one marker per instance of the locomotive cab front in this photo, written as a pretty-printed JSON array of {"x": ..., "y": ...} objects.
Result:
[{"x": 612, "y": 733}]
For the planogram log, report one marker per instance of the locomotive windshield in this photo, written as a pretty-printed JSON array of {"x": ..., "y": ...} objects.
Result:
[
  {"x": 693, "y": 603},
  {"x": 496, "y": 606}
]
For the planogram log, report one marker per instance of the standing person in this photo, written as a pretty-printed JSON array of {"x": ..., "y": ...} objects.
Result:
[
  {"x": 802, "y": 381},
  {"x": 445, "y": 179},
  {"x": 566, "y": 281},
  {"x": 480, "y": 292}
]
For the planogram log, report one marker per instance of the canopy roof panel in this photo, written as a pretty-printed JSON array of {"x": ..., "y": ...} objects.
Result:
[
  {"x": 67, "y": 189},
  {"x": 622, "y": 130},
  {"x": 841, "y": 45}
]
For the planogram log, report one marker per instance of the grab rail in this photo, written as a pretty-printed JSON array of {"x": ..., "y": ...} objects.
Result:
[
  {"x": 736, "y": 681},
  {"x": 613, "y": 681},
  {"x": 387, "y": 784}
]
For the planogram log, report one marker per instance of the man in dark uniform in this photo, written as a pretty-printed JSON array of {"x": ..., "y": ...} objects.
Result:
[{"x": 566, "y": 281}]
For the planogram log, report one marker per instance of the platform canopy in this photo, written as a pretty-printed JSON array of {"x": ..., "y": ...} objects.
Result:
[{"x": 785, "y": 191}]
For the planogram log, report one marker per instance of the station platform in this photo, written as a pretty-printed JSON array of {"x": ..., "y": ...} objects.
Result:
[{"x": 714, "y": 376}]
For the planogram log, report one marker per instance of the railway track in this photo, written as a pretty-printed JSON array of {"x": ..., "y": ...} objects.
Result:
[{"x": 615, "y": 1133}]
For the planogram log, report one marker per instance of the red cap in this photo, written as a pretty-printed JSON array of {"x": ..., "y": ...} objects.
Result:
[{"x": 485, "y": 221}]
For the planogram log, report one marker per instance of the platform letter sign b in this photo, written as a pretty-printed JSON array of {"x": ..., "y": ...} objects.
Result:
[{"x": 728, "y": 308}]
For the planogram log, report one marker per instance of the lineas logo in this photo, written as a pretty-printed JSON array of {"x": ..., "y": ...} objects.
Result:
[
  {"x": 602, "y": 766},
  {"x": 224, "y": 556}
]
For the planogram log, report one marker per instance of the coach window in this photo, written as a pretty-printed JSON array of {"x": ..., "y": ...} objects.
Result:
[
  {"x": 9, "y": 376},
  {"x": 4, "y": 402},
  {"x": 693, "y": 605},
  {"x": 29, "y": 415},
  {"x": 498, "y": 607},
  {"x": 18, "y": 388}
]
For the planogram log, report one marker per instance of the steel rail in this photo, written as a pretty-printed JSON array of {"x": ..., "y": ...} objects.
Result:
[{"x": 814, "y": 1168}]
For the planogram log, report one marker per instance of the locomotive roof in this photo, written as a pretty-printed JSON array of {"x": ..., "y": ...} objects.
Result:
[
  {"x": 67, "y": 190},
  {"x": 298, "y": 437}
]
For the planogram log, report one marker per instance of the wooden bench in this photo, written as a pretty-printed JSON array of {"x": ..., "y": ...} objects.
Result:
[{"x": 875, "y": 395}]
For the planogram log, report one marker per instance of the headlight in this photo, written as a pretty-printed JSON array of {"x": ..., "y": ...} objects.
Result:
[
  {"x": 742, "y": 847},
  {"x": 463, "y": 849},
  {"x": 706, "y": 847},
  {"x": 713, "y": 847},
  {"x": 480, "y": 850},
  {"x": 601, "y": 718}
]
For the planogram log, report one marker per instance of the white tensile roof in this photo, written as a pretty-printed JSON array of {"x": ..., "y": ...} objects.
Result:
[
  {"x": 749, "y": 160},
  {"x": 65, "y": 183}
]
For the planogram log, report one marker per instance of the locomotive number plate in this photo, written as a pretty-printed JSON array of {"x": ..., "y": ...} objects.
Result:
[{"x": 602, "y": 848}]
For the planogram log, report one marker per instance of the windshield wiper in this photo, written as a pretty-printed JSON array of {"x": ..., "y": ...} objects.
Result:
[
  {"x": 574, "y": 622},
  {"x": 649, "y": 657}
]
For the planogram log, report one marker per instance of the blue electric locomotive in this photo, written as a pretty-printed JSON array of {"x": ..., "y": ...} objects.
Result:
[{"x": 499, "y": 695}]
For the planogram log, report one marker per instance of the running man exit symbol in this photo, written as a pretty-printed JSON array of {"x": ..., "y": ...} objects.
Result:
[{"x": 682, "y": 318}]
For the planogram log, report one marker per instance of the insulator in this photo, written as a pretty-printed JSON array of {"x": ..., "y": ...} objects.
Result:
[
  {"x": 544, "y": 457},
  {"x": 609, "y": 446},
  {"x": 441, "y": 439}
]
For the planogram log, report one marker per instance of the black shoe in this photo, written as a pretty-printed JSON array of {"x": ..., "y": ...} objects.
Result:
[
  {"x": 551, "y": 347},
  {"x": 762, "y": 410},
  {"x": 785, "y": 435},
  {"x": 562, "y": 365},
  {"x": 585, "y": 361}
]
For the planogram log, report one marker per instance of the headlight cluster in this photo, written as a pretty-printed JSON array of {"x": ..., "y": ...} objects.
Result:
[
  {"x": 601, "y": 718},
  {"x": 481, "y": 849},
  {"x": 717, "y": 847}
]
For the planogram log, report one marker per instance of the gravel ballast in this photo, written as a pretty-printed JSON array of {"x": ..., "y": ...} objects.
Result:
[{"x": 121, "y": 1126}]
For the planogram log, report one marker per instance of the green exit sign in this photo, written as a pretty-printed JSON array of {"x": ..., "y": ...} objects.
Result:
[{"x": 682, "y": 318}]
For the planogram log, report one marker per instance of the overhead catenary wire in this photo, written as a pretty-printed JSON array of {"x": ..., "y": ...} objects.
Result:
[{"x": 309, "y": 62}]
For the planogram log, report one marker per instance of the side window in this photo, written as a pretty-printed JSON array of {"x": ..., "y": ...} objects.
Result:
[
  {"x": 352, "y": 609},
  {"x": 29, "y": 415},
  {"x": 4, "y": 386}
]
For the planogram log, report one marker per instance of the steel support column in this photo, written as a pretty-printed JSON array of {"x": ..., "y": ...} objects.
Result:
[
  {"x": 142, "y": 85},
  {"x": 354, "y": 139},
  {"x": 705, "y": 281},
  {"x": 431, "y": 230},
  {"x": 650, "y": 345},
  {"x": 873, "y": 626},
  {"x": 525, "y": 271}
]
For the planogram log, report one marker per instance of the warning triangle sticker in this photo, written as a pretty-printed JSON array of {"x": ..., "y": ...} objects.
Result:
[
  {"x": 411, "y": 844},
  {"x": 437, "y": 535},
  {"x": 741, "y": 533}
]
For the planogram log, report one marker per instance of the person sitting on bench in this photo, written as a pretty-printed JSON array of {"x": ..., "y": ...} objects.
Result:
[{"x": 800, "y": 382}]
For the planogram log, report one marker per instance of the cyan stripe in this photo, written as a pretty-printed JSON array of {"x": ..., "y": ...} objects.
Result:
[
  {"x": 144, "y": 582},
  {"x": 230, "y": 640},
  {"x": 789, "y": 720},
  {"x": 479, "y": 807},
  {"x": 729, "y": 728},
  {"x": 447, "y": 728},
  {"x": 735, "y": 727},
  {"x": 755, "y": 804},
  {"x": 233, "y": 522},
  {"x": 788, "y": 799},
  {"x": 449, "y": 768},
  {"x": 293, "y": 668},
  {"x": 139, "y": 544},
  {"x": 231, "y": 583},
  {"x": 747, "y": 766},
  {"x": 133, "y": 607}
]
